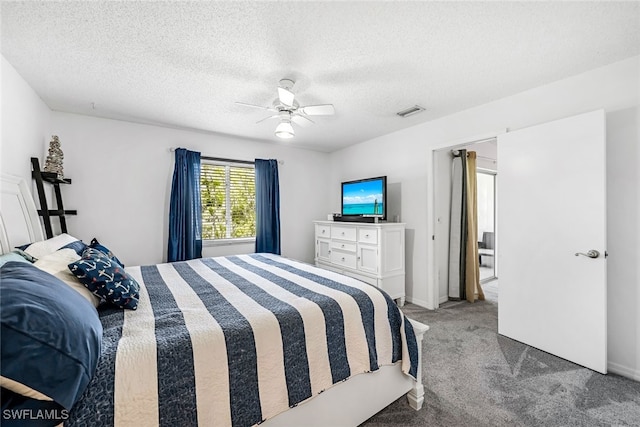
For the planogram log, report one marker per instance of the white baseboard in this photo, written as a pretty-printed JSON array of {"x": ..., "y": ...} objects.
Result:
[
  {"x": 443, "y": 299},
  {"x": 616, "y": 368},
  {"x": 417, "y": 301}
]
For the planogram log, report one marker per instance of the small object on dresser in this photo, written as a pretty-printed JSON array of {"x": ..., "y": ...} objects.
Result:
[{"x": 53, "y": 164}]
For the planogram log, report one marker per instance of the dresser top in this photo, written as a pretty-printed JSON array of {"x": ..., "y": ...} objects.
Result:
[{"x": 361, "y": 224}]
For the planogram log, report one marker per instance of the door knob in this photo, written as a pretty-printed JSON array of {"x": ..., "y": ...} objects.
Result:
[{"x": 591, "y": 254}]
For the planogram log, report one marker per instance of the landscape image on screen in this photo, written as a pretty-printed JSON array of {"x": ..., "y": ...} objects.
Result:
[{"x": 362, "y": 198}]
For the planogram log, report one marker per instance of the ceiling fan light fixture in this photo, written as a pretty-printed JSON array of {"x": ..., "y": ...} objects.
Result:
[
  {"x": 288, "y": 110},
  {"x": 285, "y": 130}
]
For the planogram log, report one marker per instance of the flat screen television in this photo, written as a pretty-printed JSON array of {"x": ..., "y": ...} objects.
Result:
[{"x": 365, "y": 197}]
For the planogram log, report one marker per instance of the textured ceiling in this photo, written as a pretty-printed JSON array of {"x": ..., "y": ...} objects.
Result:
[{"x": 184, "y": 64}]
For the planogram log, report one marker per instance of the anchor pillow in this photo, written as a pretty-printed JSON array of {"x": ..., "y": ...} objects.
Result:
[
  {"x": 106, "y": 279},
  {"x": 99, "y": 246}
]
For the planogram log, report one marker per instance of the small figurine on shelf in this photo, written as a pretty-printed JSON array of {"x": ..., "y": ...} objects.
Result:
[{"x": 54, "y": 159}]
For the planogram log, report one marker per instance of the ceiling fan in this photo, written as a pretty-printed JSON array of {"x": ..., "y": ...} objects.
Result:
[{"x": 288, "y": 110}]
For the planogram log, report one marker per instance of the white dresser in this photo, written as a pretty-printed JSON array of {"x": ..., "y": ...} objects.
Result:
[{"x": 373, "y": 253}]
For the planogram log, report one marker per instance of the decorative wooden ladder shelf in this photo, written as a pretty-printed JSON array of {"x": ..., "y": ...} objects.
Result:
[{"x": 44, "y": 211}]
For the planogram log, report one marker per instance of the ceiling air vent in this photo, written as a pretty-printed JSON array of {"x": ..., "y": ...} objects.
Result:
[{"x": 410, "y": 111}]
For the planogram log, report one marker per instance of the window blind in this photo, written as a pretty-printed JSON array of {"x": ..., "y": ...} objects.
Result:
[{"x": 228, "y": 200}]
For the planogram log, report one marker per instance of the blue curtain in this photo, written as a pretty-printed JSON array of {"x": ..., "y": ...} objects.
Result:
[
  {"x": 267, "y": 206},
  {"x": 185, "y": 211}
]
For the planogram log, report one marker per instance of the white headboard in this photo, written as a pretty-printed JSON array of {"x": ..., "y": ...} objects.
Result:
[{"x": 19, "y": 220}]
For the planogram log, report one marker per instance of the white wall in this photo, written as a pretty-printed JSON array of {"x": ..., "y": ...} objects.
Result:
[
  {"x": 122, "y": 174},
  {"x": 407, "y": 157},
  {"x": 24, "y": 121},
  {"x": 623, "y": 228}
]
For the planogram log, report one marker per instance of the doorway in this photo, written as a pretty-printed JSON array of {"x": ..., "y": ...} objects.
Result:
[
  {"x": 569, "y": 206},
  {"x": 486, "y": 150}
]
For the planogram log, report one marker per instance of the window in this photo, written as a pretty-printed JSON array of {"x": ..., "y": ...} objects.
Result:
[{"x": 228, "y": 195}]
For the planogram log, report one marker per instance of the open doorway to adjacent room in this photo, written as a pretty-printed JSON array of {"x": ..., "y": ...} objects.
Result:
[{"x": 486, "y": 155}]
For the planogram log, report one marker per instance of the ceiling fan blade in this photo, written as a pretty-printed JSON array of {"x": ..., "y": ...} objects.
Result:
[
  {"x": 285, "y": 96},
  {"x": 255, "y": 106},
  {"x": 318, "y": 110},
  {"x": 275, "y": 116},
  {"x": 301, "y": 120}
]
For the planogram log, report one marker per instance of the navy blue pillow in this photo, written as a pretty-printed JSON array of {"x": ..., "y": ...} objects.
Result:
[
  {"x": 97, "y": 245},
  {"x": 106, "y": 279},
  {"x": 50, "y": 335},
  {"x": 78, "y": 246}
]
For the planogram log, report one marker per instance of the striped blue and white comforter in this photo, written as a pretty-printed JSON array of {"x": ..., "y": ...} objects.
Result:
[{"x": 237, "y": 340}]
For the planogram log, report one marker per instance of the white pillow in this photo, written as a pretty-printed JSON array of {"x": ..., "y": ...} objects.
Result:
[
  {"x": 57, "y": 263},
  {"x": 49, "y": 246}
]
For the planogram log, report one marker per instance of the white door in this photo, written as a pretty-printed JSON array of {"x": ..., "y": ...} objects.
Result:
[{"x": 551, "y": 208}]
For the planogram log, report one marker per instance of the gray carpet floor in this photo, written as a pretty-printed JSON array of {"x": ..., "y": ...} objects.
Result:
[{"x": 475, "y": 377}]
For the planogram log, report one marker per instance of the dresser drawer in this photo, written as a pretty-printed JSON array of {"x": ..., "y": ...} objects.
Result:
[
  {"x": 343, "y": 259},
  {"x": 343, "y": 246},
  {"x": 323, "y": 231},
  {"x": 343, "y": 233},
  {"x": 366, "y": 235}
]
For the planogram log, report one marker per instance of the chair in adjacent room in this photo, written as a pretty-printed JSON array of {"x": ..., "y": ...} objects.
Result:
[{"x": 486, "y": 248}]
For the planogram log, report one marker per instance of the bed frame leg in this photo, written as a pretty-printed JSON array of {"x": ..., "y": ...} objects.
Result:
[{"x": 415, "y": 396}]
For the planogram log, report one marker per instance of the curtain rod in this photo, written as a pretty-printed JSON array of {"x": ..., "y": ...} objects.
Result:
[
  {"x": 456, "y": 153},
  {"x": 222, "y": 159}
]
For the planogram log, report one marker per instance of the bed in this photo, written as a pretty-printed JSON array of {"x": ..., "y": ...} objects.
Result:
[{"x": 241, "y": 340}]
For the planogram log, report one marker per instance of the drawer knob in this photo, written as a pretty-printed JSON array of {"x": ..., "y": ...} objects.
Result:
[
  {"x": 342, "y": 258},
  {"x": 343, "y": 233},
  {"x": 343, "y": 246},
  {"x": 366, "y": 235}
]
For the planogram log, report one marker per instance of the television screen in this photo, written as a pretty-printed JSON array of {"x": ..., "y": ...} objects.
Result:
[{"x": 365, "y": 197}]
